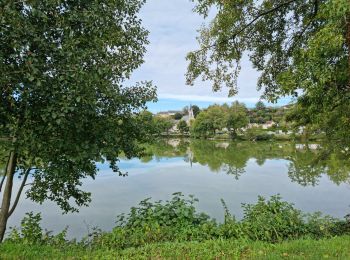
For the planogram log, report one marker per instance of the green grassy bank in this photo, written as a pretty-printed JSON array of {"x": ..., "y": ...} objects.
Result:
[{"x": 333, "y": 248}]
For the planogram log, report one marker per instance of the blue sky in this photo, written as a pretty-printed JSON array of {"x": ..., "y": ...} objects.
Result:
[{"x": 173, "y": 31}]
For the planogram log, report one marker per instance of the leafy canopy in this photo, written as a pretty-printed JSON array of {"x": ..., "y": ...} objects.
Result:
[
  {"x": 64, "y": 104},
  {"x": 237, "y": 118},
  {"x": 182, "y": 126},
  {"x": 300, "y": 47}
]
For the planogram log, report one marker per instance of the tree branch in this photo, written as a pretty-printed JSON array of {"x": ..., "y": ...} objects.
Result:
[
  {"x": 251, "y": 22},
  {"x": 19, "y": 192},
  {"x": 261, "y": 15},
  {"x": 294, "y": 40},
  {"x": 2, "y": 181}
]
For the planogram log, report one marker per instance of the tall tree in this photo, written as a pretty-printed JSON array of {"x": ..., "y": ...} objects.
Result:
[
  {"x": 260, "y": 105},
  {"x": 301, "y": 48},
  {"x": 64, "y": 106},
  {"x": 217, "y": 114},
  {"x": 178, "y": 116},
  {"x": 203, "y": 126},
  {"x": 237, "y": 118},
  {"x": 195, "y": 110},
  {"x": 163, "y": 124}
]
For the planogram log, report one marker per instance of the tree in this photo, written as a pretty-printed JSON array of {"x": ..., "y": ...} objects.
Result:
[
  {"x": 163, "y": 124},
  {"x": 149, "y": 123},
  {"x": 209, "y": 121},
  {"x": 195, "y": 110},
  {"x": 217, "y": 114},
  {"x": 203, "y": 125},
  {"x": 178, "y": 116},
  {"x": 185, "y": 110},
  {"x": 182, "y": 127},
  {"x": 301, "y": 48},
  {"x": 260, "y": 105},
  {"x": 63, "y": 103},
  {"x": 237, "y": 118}
]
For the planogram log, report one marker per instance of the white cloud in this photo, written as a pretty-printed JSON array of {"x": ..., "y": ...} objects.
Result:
[{"x": 173, "y": 31}]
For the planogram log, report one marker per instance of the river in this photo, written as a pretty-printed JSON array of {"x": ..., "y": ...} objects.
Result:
[{"x": 235, "y": 171}]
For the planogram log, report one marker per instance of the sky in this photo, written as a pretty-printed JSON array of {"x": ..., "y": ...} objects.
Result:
[{"x": 173, "y": 31}]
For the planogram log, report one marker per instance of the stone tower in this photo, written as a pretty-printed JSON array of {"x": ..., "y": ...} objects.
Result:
[{"x": 190, "y": 114}]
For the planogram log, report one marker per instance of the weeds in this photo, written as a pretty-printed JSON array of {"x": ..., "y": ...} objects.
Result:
[{"x": 177, "y": 220}]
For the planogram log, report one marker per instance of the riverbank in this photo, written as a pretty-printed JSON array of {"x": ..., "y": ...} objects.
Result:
[
  {"x": 259, "y": 135},
  {"x": 173, "y": 229},
  {"x": 337, "y": 247}
]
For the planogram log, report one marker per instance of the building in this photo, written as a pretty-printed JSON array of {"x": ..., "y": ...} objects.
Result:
[
  {"x": 168, "y": 113},
  {"x": 189, "y": 117}
]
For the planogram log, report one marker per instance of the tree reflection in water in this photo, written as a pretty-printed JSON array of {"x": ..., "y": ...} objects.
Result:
[{"x": 306, "y": 163}]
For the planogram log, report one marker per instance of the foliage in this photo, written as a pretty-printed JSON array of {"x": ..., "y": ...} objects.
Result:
[
  {"x": 209, "y": 121},
  {"x": 331, "y": 248},
  {"x": 149, "y": 123},
  {"x": 196, "y": 110},
  {"x": 203, "y": 126},
  {"x": 300, "y": 47},
  {"x": 178, "y": 116},
  {"x": 31, "y": 233},
  {"x": 65, "y": 105},
  {"x": 174, "y": 220},
  {"x": 163, "y": 124},
  {"x": 217, "y": 117},
  {"x": 260, "y": 105},
  {"x": 256, "y": 134},
  {"x": 182, "y": 127},
  {"x": 272, "y": 220},
  {"x": 306, "y": 166},
  {"x": 154, "y": 125},
  {"x": 177, "y": 220},
  {"x": 237, "y": 118}
]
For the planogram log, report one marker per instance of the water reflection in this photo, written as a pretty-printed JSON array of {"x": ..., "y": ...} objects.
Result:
[
  {"x": 236, "y": 171},
  {"x": 306, "y": 162}
]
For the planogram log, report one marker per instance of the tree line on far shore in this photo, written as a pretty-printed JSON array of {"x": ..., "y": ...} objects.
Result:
[{"x": 233, "y": 120}]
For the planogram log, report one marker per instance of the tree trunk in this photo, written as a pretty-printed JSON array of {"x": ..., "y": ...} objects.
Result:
[
  {"x": 347, "y": 36},
  {"x": 348, "y": 41},
  {"x": 6, "y": 199}
]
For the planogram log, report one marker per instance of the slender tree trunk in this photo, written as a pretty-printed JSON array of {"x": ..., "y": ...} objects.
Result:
[
  {"x": 6, "y": 199},
  {"x": 348, "y": 43}
]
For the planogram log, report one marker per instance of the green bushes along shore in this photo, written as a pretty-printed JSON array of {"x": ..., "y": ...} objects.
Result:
[{"x": 173, "y": 229}]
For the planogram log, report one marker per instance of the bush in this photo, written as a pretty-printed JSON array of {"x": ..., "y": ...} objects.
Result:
[
  {"x": 319, "y": 226},
  {"x": 177, "y": 220},
  {"x": 273, "y": 220},
  {"x": 256, "y": 134},
  {"x": 31, "y": 233}
]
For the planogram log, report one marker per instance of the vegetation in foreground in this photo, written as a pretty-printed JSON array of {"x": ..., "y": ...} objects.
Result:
[
  {"x": 269, "y": 228},
  {"x": 337, "y": 247}
]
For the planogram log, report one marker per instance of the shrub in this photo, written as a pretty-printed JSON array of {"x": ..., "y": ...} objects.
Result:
[
  {"x": 319, "y": 226},
  {"x": 177, "y": 220},
  {"x": 31, "y": 232},
  {"x": 273, "y": 220},
  {"x": 174, "y": 220}
]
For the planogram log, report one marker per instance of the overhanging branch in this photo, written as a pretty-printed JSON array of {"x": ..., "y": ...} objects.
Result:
[{"x": 245, "y": 27}]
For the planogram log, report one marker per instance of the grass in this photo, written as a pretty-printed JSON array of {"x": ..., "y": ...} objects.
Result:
[{"x": 332, "y": 248}]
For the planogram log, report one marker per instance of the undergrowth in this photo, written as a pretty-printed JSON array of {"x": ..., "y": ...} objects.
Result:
[{"x": 177, "y": 220}]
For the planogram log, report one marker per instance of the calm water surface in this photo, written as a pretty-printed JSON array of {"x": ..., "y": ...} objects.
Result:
[{"x": 236, "y": 172}]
